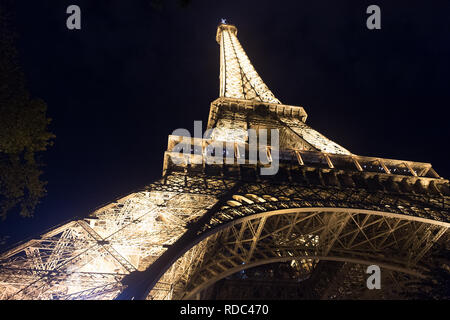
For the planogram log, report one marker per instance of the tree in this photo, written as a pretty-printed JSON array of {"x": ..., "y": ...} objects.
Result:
[{"x": 23, "y": 133}]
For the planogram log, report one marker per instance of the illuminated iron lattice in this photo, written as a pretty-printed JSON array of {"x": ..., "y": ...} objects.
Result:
[{"x": 200, "y": 223}]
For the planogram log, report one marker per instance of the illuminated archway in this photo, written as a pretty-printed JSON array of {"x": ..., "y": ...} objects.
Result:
[{"x": 313, "y": 233}]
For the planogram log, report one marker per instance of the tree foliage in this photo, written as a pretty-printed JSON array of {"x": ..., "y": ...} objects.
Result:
[{"x": 23, "y": 133}]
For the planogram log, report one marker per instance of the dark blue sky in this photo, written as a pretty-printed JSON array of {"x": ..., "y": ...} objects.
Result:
[{"x": 117, "y": 88}]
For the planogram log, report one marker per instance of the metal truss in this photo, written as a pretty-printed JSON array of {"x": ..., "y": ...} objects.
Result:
[
  {"x": 391, "y": 243},
  {"x": 267, "y": 223},
  {"x": 330, "y": 280},
  {"x": 200, "y": 223},
  {"x": 238, "y": 77},
  {"x": 256, "y": 223},
  {"x": 88, "y": 258}
]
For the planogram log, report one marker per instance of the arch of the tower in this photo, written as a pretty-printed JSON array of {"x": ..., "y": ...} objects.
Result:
[
  {"x": 246, "y": 224},
  {"x": 252, "y": 230}
]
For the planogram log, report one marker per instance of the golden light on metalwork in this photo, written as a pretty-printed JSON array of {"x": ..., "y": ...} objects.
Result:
[{"x": 325, "y": 216}]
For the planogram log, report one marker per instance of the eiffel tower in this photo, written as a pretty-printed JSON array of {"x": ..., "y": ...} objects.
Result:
[{"x": 327, "y": 212}]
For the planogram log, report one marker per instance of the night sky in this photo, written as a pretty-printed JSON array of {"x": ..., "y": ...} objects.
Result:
[{"x": 135, "y": 72}]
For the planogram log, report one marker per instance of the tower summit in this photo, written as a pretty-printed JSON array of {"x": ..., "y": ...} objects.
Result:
[
  {"x": 240, "y": 81},
  {"x": 238, "y": 77},
  {"x": 325, "y": 214}
]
